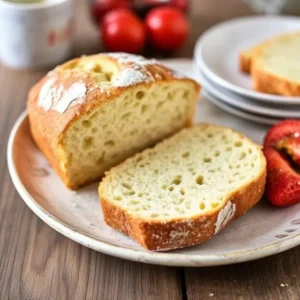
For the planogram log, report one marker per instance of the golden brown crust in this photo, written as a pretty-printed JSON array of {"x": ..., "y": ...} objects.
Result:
[
  {"x": 162, "y": 235},
  {"x": 266, "y": 82},
  {"x": 245, "y": 62},
  {"x": 48, "y": 127}
]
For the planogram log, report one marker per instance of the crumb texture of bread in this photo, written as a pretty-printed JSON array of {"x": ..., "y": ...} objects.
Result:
[
  {"x": 93, "y": 112},
  {"x": 185, "y": 189},
  {"x": 276, "y": 69}
]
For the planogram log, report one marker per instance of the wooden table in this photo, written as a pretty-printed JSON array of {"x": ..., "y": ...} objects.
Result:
[{"x": 36, "y": 262}]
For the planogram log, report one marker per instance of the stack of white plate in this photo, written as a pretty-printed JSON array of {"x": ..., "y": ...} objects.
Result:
[{"x": 216, "y": 63}]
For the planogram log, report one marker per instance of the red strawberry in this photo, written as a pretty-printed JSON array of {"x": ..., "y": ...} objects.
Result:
[
  {"x": 291, "y": 145},
  {"x": 281, "y": 130},
  {"x": 283, "y": 182}
]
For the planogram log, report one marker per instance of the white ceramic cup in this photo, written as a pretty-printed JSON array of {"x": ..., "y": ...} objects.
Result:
[{"x": 35, "y": 35}]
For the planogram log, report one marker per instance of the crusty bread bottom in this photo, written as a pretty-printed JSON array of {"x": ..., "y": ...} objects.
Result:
[
  {"x": 203, "y": 229},
  {"x": 265, "y": 82}
]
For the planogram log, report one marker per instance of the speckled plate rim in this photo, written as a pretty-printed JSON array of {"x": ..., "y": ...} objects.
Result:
[{"x": 159, "y": 258}]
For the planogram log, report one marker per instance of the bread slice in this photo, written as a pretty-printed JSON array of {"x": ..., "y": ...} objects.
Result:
[
  {"x": 185, "y": 189},
  {"x": 93, "y": 112},
  {"x": 247, "y": 56},
  {"x": 276, "y": 68}
]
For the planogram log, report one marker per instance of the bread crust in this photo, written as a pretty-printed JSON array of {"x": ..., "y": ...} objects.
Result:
[
  {"x": 247, "y": 57},
  {"x": 48, "y": 128},
  {"x": 162, "y": 235},
  {"x": 266, "y": 82},
  {"x": 245, "y": 61}
]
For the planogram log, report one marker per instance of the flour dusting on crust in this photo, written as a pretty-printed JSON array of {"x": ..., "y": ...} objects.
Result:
[
  {"x": 47, "y": 94},
  {"x": 74, "y": 95},
  {"x": 225, "y": 215},
  {"x": 124, "y": 58},
  {"x": 130, "y": 76},
  {"x": 56, "y": 97},
  {"x": 134, "y": 69}
]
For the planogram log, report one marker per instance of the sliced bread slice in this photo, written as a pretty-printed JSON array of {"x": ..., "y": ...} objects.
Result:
[
  {"x": 185, "y": 189},
  {"x": 247, "y": 56},
  {"x": 276, "y": 68}
]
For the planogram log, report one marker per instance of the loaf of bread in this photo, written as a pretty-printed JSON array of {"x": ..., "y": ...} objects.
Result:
[
  {"x": 185, "y": 189},
  {"x": 93, "y": 112}
]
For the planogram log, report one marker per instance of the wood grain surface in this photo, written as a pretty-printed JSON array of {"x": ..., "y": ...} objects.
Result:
[{"x": 38, "y": 263}]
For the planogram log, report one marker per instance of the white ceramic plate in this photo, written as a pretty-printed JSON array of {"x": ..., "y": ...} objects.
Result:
[
  {"x": 263, "y": 231},
  {"x": 239, "y": 112},
  {"x": 253, "y": 107},
  {"x": 217, "y": 52}
]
